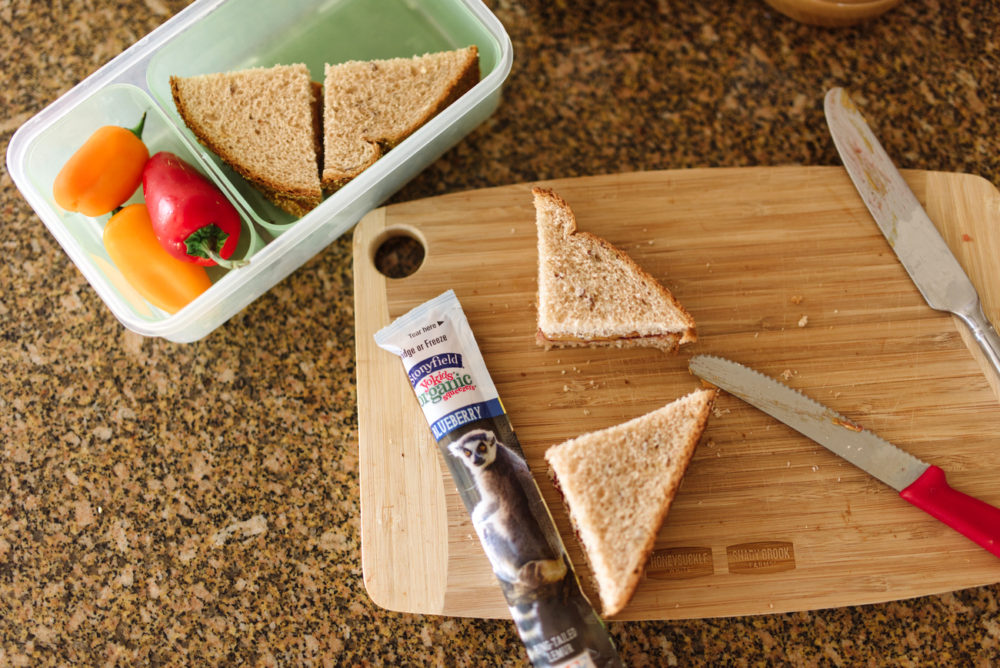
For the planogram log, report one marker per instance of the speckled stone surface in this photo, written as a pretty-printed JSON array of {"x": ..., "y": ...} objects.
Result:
[{"x": 165, "y": 504}]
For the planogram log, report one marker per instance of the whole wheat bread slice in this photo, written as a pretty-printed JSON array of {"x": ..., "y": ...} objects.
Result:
[
  {"x": 371, "y": 106},
  {"x": 264, "y": 122},
  {"x": 618, "y": 484},
  {"x": 592, "y": 293}
]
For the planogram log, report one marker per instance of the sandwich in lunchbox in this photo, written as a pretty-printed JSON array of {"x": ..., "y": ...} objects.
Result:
[
  {"x": 264, "y": 122},
  {"x": 592, "y": 293},
  {"x": 371, "y": 106},
  {"x": 618, "y": 484},
  {"x": 294, "y": 139}
]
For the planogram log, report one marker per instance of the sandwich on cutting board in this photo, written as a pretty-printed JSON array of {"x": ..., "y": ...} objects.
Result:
[
  {"x": 592, "y": 293},
  {"x": 618, "y": 484}
]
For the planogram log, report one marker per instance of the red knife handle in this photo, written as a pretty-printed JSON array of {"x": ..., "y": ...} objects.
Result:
[{"x": 969, "y": 516}]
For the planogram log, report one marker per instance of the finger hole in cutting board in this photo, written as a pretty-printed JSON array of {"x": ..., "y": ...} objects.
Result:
[{"x": 398, "y": 252}]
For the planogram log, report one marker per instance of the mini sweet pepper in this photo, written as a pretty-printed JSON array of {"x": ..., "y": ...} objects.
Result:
[
  {"x": 162, "y": 279},
  {"x": 104, "y": 172},
  {"x": 191, "y": 217}
]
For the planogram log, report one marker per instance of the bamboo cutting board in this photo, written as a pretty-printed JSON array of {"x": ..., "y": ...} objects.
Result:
[{"x": 784, "y": 270}]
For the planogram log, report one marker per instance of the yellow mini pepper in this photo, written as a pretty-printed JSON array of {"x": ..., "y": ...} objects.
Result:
[
  {"x": 104, "y": 172},
  {"x": 168, "y": 283}
]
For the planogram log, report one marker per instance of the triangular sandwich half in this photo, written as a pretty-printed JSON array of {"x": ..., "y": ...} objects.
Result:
[
  {"x": 592, "y": 293},
  {"x": 264, "y": 122},
  {"x": 618, "y": 484},
  {"x": 370, "y": 106}
]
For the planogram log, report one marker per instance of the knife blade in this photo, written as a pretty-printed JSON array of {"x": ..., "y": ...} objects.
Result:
[
  {"x": 912, "y": 235},
  {"x": 921, "y": 484}
]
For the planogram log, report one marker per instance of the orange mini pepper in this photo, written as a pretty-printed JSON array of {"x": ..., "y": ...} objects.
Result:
[
  {"x": 104, "y": 172},
  {"x": 168, "y": 283}
]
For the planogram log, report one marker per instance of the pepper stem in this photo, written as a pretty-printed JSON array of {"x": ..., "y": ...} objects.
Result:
[
  {"x": 137, "y": 130},
  {"x": 206, "y": 242},
  {"x": 222, "y": 262}
]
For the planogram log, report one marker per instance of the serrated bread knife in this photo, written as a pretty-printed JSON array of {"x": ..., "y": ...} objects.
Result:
[
  {"x": 920, "y": 483},
  {"x": 904, "y": 223}
]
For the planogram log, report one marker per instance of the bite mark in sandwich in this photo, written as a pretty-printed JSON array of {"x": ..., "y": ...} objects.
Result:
[{"x": 592, "y": 293}]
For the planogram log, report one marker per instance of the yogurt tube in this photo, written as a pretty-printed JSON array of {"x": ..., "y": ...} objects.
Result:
[{"x": 556, "y": 622}]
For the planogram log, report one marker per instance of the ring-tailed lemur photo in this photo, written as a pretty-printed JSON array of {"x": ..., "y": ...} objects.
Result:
[
  {"x": 544, "y": 599},
  {"x": 509, "y": 532}
]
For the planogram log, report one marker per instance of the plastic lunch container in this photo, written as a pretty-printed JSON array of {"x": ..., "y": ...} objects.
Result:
[{"x": 224, "y": 35}]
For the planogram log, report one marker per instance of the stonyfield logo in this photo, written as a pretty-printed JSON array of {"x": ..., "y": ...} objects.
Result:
[{"x": 434, "y": 363}]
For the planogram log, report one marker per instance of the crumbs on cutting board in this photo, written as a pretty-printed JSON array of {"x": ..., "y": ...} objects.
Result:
[
  {"x": 803, "y": 321},
  {"x": 787, "y": 374}
]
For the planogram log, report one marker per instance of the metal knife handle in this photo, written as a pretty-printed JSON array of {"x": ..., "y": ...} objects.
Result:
[
  {"x": 969, "y": 516},
  {"x": 986, "y": 336}
]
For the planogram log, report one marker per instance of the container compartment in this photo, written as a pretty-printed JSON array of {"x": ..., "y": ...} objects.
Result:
[
  {"x": 80, "y": 235},
  {"x": 224, "y": 35},
  {"x": 260, "y": 33}
]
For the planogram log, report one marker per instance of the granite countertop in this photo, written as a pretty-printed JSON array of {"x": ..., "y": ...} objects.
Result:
[{"x": 197, "y": 504}]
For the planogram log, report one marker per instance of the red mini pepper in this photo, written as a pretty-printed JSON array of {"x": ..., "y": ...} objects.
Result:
[{"x": 192, "y": 219}]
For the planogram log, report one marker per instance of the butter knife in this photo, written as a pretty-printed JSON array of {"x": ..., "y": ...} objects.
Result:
[
  {"x": 904, "y": 223},
  {"x": 919, "y": 483}
]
